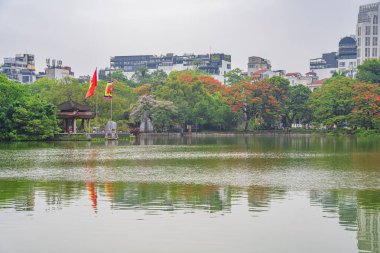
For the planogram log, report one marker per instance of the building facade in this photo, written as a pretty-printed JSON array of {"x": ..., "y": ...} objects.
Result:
[
  {"x": 347, "y": 58},
  {"x": 325, "y": 66},
  {"x": 55, "y": 70},
  {"x": 20, "y": 69},
  {"x": 367, "y": 32},
  {"x": 215, "y": 64},
  {"x": 256, "y": 63}
]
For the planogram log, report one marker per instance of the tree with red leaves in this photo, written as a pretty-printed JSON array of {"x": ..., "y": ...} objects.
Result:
[
  {"x": 260, "y": 101},
  {"x": 366, "y": 111}
]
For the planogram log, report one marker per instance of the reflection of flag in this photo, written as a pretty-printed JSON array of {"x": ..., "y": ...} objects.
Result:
[
  {"x": 93, "y": 84},
  {"x": 108, "y": 91},
  {"x": 93, "y": 196}
]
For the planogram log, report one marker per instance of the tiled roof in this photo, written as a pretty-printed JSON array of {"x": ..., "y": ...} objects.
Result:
[
  {"x": 320, "y": 81},
  {"x": 293, "y": 74},
  {"x": 259, "y": 72}
]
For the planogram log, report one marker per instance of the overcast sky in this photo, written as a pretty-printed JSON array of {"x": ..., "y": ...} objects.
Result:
[{"x": 85, "y": 33}]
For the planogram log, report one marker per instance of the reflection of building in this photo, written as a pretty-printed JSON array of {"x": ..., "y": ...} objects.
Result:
[
  {"x": 257, "y": 63},
  {"x": 357, "y": 210},
  {"x": 368, "y": 32},
  {"x": 368, "y": 230},
  {"x": 55, "y": 70},
  {"x": 215, "y": 64},
  {"x": 20, "y": 69}
]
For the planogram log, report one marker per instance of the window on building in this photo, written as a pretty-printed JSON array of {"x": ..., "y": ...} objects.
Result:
[
  {"x": 342, "y": 64},
  {"x": 374, "y": 42},
  {"x": 375, "y": 19},
  {"x": 374, "y": 52},
  {"x": 367, "y": 52},
  {"x": 358, "y": 62},
  {"x": 367, "y": 41},
  {"x": 359, "y": 42},
  {"x": 359, "y": 31},
  {"x": 358, "y": 52},
  {"x": 367, "y": 30},
  {"x": 375, "y": 30}
]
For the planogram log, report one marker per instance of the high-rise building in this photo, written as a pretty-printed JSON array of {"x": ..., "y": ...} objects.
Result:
[
  {"x": 368, "y": 32},
  {"x": 20, "y": 69}
]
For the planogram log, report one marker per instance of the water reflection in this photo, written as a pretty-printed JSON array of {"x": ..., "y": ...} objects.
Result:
[
  {"x": 356, "y": 210},
  {"x": 247, "y": 178}
]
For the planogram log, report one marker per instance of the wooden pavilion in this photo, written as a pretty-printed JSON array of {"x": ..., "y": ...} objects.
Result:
[{"x": 70, "y": 112}]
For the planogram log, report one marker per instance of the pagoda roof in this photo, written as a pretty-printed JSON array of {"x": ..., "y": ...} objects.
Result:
[
  {"x": 71, "y": 106},
  {"x": 76, "y": 115}
]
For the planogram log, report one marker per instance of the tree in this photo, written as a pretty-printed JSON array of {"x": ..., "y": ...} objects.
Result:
[
  {"x": 157, "y": 78},
  {"x": 369, "y": 71},
  {"x": 296, "y": 107},
  {"x": 366, "y": 111},
  {"x": 333, "y": 103},
  {"x": 162, "y": 113},
  {"x": 141, "y": 76},
  {"x": 24, "y": 116},
  {"x": 57, "y": 92},
  {"x": 260, "y": 101},
  {"x": 235, "y": 76}
]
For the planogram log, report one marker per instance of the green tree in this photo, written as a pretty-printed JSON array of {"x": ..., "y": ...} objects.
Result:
[
  {"x": 24, "y": 116},
  {"x": 296, "y": 107},
  {"x": 333, "y": 103},
  {"x": 235, "y": 76},
  {"x": 141, "y": 76},
  {"x": 369, "y": 71}
]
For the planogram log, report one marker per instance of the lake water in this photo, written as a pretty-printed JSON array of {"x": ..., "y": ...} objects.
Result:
[{"x": 171, "y": 194}]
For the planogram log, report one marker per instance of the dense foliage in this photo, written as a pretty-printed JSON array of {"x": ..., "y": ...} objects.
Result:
[
  {"x": 369, "y": 71},
  {"x": 194, "y": 98},
  {"x": 24, "y": 116},
  {"x": 343, "y": 102}
]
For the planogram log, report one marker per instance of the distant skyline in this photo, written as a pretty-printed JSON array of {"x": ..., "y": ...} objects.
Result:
[{"x": 84, "y": 34}]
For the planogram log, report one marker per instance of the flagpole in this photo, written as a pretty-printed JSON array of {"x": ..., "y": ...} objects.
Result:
[
  {"x": 96, "y": 104},
  {"x": 112, "y": 85}
]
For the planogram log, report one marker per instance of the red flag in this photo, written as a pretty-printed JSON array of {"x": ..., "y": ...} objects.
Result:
[{"x": 93, "y": 84}]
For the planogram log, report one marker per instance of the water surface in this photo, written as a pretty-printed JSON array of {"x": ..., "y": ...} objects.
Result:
[{"x": 171, "y": 194}]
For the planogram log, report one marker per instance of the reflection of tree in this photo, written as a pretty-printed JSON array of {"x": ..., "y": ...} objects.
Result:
[
  {"x": 172, "y": 196},
  {"x": 356, "y": 210},
  {"x": 259, "y": 198},
  {"x": 21, "y": 194}
]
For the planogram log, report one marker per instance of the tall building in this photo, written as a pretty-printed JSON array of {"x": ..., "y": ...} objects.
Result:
[
  {"x": 256, "y": 63},
  {"x": 368, "y": 32},
  {"x": 215, "y": 64},
  {"x": 347, "y": 55},
  {"x": 20, "y": 69}
]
